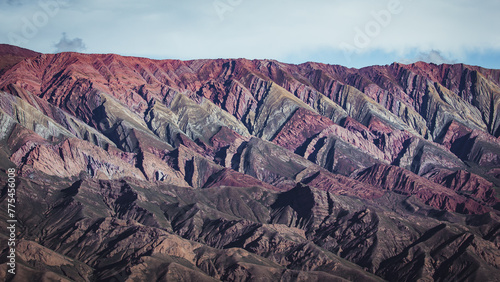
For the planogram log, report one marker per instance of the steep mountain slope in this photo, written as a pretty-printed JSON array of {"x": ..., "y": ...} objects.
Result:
[
  {"x": 11, "y": 55},
  {"x": 131, "y": 168}
]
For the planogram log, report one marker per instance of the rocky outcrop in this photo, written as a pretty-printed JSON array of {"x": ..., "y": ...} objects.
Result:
[
  {"x": 71, "y": 157},
  {"x": 404, "y": 182},
  {"x": 472, "y": 145},
  {"x": 466, "y": 182},
  {"x": 36, "y": 262}
]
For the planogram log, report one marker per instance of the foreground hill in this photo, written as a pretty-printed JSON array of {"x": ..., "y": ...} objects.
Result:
[{"x": 250, "y": 169}]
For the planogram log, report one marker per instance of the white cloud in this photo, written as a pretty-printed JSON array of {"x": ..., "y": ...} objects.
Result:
[
  {"x": 69, "y": 45},
  {"x": 433, "y": 56}
]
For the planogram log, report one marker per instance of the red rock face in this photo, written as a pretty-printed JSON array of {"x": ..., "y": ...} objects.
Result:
[
  {"x": 251, "y": 169},
  {"x": 468, "y": 183},
  {"x": 406, "y": 183},
  {"x": 302, "y": 126},
  {"x": 73, "y": 156},
  {"x": 11, "y": 55}
]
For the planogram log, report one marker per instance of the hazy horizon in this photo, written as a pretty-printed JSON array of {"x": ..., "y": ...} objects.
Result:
[{"x": 353, "y": 34}]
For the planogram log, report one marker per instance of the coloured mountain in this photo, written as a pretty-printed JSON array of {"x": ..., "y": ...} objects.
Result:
[{"x": 132, "y": 169}]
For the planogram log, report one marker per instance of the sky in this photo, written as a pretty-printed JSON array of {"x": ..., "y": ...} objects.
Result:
[{"x": 353, "y": 33}]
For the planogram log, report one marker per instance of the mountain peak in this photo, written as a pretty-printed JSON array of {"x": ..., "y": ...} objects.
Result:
[{"x": 6, "y": 49}]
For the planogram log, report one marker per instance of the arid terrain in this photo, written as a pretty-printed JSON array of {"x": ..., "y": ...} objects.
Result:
[{"x": 248, "y": 170}]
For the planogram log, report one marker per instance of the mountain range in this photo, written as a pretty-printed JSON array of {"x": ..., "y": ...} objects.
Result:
[{"x": 136, "y": 169}]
